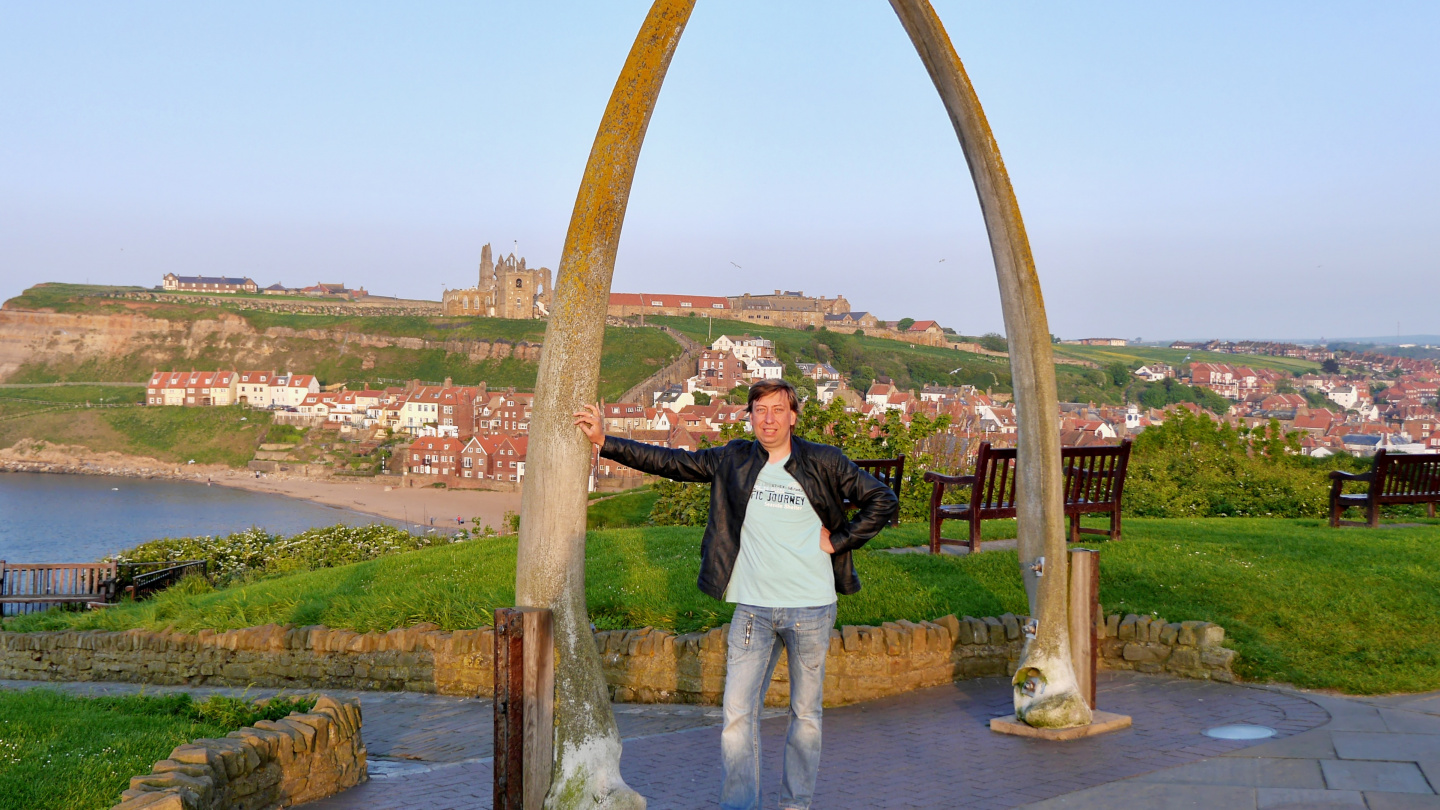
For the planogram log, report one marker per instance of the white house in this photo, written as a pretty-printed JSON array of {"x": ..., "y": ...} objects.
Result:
[
  {"x": 1154, "y": 372},
  {"x": 747, "y": 349},
  {"x": 289, "y": 391},
  {"x": 1344, "y": 395},
  {"x": 763, "y": 369}
]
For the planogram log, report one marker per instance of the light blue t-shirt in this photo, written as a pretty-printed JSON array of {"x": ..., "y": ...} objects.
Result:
[{"x": 780, "y": 563}]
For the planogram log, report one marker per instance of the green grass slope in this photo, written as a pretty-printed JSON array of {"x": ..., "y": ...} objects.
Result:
[
  {"x": 226, "y": 436},
  {"x": 1135, "y": 355},
  {"x": 1302, "y": 603}
]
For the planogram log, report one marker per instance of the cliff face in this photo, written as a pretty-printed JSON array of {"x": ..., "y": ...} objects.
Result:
[{"x": 129, "y": 346}]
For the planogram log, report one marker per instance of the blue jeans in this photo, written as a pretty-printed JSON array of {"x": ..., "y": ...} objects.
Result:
[{"x": 757, "y": 635}]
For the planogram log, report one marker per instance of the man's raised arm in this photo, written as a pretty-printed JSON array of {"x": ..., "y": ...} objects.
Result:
[{"x": 677, "y": 465}]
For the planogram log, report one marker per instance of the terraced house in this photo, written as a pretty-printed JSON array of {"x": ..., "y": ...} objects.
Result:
[{"x": 194, "y": 388}]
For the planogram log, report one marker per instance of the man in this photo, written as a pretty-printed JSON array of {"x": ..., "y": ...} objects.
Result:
[{"x": 777, "y": 544}]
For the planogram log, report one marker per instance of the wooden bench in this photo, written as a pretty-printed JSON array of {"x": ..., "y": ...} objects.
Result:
[
  {"x": 56, "y": 583},
  {"x": 1395, "y": 479},
  {"x": 890, "y": 471},
  {"x": 1094, "y": 483}
]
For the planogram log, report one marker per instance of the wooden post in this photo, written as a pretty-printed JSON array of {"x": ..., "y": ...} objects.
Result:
[
  {"x": 524, "y": 707},
  {"x": 1084, "y": 601}
]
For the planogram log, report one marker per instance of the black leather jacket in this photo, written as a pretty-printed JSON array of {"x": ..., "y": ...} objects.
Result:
[{"x": 826, "y": 475}]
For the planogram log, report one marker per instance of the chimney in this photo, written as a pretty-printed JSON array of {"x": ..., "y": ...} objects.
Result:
[{"x": 449, "y": 383}]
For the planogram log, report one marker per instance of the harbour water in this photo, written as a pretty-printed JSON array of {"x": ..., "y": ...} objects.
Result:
[{"x": 82, "y": 518}]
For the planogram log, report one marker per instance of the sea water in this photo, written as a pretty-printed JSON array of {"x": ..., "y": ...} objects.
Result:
[{"x": 82, "y": 518}]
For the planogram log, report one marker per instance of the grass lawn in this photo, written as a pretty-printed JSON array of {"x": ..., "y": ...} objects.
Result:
[
  {"x": 60, "y": 752},
  {"x": 614, "y": 511},
  {"x": 1346, "y": 609}
]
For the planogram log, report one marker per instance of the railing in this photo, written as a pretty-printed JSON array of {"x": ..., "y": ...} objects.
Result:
[
  {"x": 139, "y": 582},
  {"x": 28, "y": 588}
]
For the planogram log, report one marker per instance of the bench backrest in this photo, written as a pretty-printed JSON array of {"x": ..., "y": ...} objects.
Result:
[
  {"x": 1404, "y": 477},
  {"x": 67, "y": 582},
  {"x": 890, "y": 472},
  {"x": 994, "y": 486},
  {"x": 1095, "y": 475},
  {"x": 55, "y": 579}
]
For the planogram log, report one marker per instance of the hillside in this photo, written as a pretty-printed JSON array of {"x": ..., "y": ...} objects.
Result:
[
  {"x": 1136, "y": 355},
  {"x": 60, "y": 332},
  {"x": 863, "y": 358},
  {"x": 110, "y": 419}
]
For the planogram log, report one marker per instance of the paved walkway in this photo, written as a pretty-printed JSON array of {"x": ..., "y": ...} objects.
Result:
[
  {"x": 932, "y": 749},
  {"x": 1376, "y": 753}
]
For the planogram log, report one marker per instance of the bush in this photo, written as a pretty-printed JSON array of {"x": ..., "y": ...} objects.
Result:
[
  {"x": 256, "y": 551},
  {"x": 1193, "y": 467}
]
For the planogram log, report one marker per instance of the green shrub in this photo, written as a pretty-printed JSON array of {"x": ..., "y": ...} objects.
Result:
[
  {"x": 255, "y": 551},
  {"x": 1193, "y": 467}
]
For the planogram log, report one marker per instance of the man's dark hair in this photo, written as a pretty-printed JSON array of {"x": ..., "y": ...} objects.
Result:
[{"x": 766, "y": 387}]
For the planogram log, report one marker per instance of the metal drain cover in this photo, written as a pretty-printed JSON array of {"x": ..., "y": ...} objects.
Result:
[{"x": 1240, "y": 732}]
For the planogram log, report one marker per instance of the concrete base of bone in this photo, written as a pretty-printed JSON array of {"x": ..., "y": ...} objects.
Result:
[{"x": 1103, "y": 722}]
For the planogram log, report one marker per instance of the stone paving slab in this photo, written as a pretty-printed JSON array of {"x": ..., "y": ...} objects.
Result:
[
  {"x": 1385, "y": 746},
  {"x": 1390, "y": 777},
  {"x": 1401, "y": 801}
]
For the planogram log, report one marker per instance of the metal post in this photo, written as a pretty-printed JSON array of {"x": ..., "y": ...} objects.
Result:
[
  {"x": 524, "y": 707},
  {"x": 1084, "y": 605}
]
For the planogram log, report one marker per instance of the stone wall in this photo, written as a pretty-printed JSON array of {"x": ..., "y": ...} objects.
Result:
[
  {"x": 269, "y": 765},
  {"x": 645, "y": 665}
]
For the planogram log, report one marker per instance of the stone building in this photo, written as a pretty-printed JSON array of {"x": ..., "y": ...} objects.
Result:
[
  {"x": 794, "y": 310},
  {"x": 506, "y": 289}
]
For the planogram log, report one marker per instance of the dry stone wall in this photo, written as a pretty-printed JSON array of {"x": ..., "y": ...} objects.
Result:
[
  {"x": 272, "y": 764},
  {"x": 645, "y": 665}
]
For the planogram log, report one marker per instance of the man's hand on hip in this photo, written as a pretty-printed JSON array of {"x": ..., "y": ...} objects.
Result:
[
  {"x": 825, "y": 541},
  {"x": 591, "y": 424}
]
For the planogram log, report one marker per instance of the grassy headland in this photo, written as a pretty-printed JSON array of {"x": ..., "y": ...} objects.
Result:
[
  {"x": 1302, "y": 603},
  {"x": 208, "y": 435}
]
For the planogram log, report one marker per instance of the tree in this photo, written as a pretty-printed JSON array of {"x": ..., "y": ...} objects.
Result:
[
  {"x": 1284, "y": 387},
  {"x": 1119, "y": 374},
  {"x": 904, "y": 324},
  {"x": 1330, "y": 366},
  {"x": 993, "y": 341},
  {"x": 701, "y": 398},
  {"x": 738, "y": 395},
  {"x": 1154, "y": 397}
]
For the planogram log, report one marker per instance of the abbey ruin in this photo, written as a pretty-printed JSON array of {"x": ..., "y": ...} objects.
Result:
[{"x": 506, "y": 289}]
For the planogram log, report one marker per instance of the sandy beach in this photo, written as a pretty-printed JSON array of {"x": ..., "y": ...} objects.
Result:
[
  {"x": 415, "y": 505},
  {"x": 381, "y": 497}
]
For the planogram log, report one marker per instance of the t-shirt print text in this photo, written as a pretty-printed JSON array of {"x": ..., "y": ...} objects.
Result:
[{"x": 779, "y": 496}]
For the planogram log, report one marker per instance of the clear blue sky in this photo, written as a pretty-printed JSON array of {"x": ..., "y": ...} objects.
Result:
[{"x": 1185, "y": 170}]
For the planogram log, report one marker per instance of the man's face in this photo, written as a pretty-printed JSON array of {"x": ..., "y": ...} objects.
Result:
[{"x": 771, "y": 418}]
